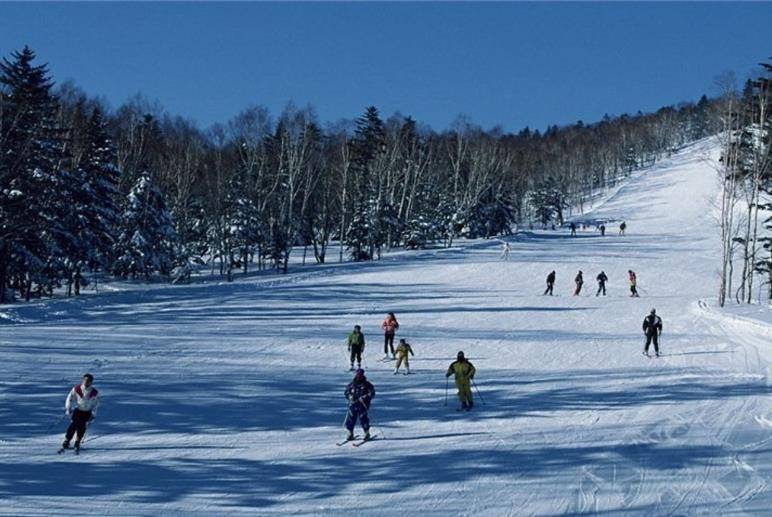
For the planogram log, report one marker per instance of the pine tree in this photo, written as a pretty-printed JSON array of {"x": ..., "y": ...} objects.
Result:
[
  {"x": 366, "y": 234},
  {"x": 146, "y": 243},
  {"x": 93, "y": 193},
  {"x": 33, "y": 207}
]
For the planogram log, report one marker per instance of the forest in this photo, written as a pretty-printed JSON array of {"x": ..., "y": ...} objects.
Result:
[{"x": 136, "y": 192}]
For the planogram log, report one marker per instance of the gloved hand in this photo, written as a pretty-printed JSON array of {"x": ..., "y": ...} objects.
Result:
[
  {"x": 91, "y": 418},
  {"x": 66, "y": 412}
]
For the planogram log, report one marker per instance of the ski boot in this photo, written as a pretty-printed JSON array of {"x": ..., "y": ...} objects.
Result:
[
  {"x": 396, "y": 371},
  {"x": 350, "y": 436},
  {"x": 367, "y": 435}
]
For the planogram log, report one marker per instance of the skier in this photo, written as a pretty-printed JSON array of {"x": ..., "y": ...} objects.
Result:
[
  {"x": 573, "y": 229},
  {"x": 403, "y": 349},
  {"x": 356, "y": 345},
  {"x": 622, "y": 228},
  {"x": 652, "y": 328},
  {"x": 602, "y": 230},
  {"x": 602, "y": 279},
  {"x": 633, "y": 284},
  {"x": 464, "y": 373},
  {"x": 85, "y": 398},
  {"x": 506, "y": 249},
  {"x": 360, "y": 392},
  {"x": 579, "y": 281},
  {"x": 389, "y": 326},
  {"x": 550, "y": 283}
]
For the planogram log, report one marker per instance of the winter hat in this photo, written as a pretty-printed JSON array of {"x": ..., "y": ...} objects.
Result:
[
  {"x": 460, "y": 355},
  {"x": 401, "y": 341},
  {"x": 654, "y": 311},
  {"x": 359, "y": 375}
]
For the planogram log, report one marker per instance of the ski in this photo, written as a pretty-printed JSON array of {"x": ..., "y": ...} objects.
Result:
[
  {"x": 344, "y": 442},
  {"x": 61, "y": 451},
  {"x": 362, "y": 442}
]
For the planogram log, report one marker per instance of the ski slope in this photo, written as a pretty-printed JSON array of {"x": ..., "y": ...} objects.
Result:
[{"x": 225, "y": 398}]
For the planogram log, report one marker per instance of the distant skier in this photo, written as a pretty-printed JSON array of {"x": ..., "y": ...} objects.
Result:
[
  {"x": 633, "y": 284},
  {"x": 602, "y": 230},
  {"x": 403, "y": 350},
  {"x": 359, "y": 392},
  {"x": 572, "y": 226},
  {"x": 85, "y": 399},
  {"x": 464, "y": 372},
  {"x": 579, "y": 281},
  {"x": 389, "y": 326},
  {"x": 550, "y": 283},
  {"x": 505, "y": 251},
  {"x": 652, "y": 328},
  {"x": 356, "y": 345},
  {"x": 622, "y": 228},
  {"x": 602, "y": 279}
]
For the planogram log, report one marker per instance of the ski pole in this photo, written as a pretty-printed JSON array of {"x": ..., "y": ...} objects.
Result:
[
  {"x": 478, "y": 391},
  {"x": 447, "y": 381},
  {"x": 57, "y": 422},
  {"x": 368, "y": 412}
]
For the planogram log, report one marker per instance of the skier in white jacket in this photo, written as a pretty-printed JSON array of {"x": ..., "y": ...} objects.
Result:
[{"x": 81, "y": 404}]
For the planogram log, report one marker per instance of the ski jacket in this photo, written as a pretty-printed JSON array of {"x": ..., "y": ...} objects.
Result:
[
  {"x": 356, "y": 339},
  {"x": 84, "y": 399},
  {"x": 633, "y": 279},
  {"x": 602, "y": 278},
  {"x": 651, "y": 324},
  {"x": 360, "y": 392},
  {"x": 463, "y": 370},
  {"x": 551, "y": 278},
  {"x": 390, "y": 325},
  {"x": 579, "y": 279},
  {"x": 403, "y": 349}
]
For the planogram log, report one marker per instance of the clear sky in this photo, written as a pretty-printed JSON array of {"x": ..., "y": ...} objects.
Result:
[{"x": 511, "y": 64}]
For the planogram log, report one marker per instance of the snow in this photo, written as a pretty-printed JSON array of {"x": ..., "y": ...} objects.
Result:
[{"x": 227, "y": 398}]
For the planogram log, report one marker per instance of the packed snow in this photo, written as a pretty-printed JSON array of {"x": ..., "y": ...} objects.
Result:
[{"x": 227, "y": 398}]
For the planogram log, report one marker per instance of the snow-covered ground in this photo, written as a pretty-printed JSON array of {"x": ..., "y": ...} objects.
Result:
[{"x": 227, "y": 398}]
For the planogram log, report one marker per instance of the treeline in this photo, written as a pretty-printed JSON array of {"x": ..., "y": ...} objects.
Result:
[
  {"x": 138, "y": 193},
  {"x": 746, "y": 197}
]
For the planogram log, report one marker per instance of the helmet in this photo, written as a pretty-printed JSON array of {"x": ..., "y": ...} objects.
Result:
[
  {"x": 460, "y": 355},
  {"x": 359, "y": 375},
  {"x": 653, "y": 311}
]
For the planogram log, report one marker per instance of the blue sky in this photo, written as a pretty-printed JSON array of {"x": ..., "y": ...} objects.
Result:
[{"x": 510, "y": 64}]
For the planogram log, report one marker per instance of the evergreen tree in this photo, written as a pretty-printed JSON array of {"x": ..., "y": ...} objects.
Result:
[
  {"x": 93, "y": 193},
  {"x": 32, "y": 204},
  {"x": 366, "y": 231},
  {"x": 146, "y": 242}
]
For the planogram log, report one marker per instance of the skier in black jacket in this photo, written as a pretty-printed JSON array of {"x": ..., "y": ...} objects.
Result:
[
  {"x": 602, "y": 279},
  {"x": 550, "y": 283},
  {"x": 652, "y": 328}
]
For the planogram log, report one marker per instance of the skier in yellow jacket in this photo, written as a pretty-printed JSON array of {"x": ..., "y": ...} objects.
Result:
[
  {"x": 464, "y": 372},
  {"x": 403, "y": 349}
]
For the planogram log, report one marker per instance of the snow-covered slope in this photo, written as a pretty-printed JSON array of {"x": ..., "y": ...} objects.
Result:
[{"x": 227, "y": 399}]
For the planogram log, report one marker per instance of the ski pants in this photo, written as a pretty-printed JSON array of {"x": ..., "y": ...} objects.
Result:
[
  {"x": 601, "y": 289},
  {"x": 633, "y": 291},
  {"x": 464, "y": 391},
  {"x": 80, "y": 420},
  {"x": 578, "y": 289},
  {"x": 550, "y": 285},
  {"x": 356, "y": 353},
  {"x": 357, "y": 410},
  {"x": 652, "y": 336},
  {"x": 388, "y": 342},
  {"x": 402, "y": 358}
]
